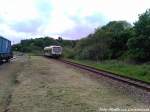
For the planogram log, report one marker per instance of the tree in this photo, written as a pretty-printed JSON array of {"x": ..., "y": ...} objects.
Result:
[
  {"x": 139, "y": 46},
  {"x": 117, "y": 26},
  {"x": 119, "y": 33},
  {"x": 106, "y": 42},
  {"x": 142, "y": 26}
]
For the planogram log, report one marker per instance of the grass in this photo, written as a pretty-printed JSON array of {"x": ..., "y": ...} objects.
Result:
[{"x": 141, "y": 72}]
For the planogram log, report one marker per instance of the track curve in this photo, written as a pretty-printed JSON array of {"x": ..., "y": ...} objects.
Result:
[{"x": 127, "y": 80}]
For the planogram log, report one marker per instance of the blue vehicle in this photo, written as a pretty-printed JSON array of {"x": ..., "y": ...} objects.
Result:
[{"x": 5, "y": 49}]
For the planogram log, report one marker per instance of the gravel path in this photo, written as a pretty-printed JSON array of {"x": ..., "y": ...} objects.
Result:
[{"x": 46, "y": 85}]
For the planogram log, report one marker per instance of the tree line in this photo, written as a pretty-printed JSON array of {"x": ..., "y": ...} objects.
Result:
[
  {"x": 115, "y": 40},
  {"x": 37, "y": 45}
]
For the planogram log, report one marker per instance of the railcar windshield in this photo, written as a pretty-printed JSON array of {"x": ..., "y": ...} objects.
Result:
[{"x": 57, "y": 49}]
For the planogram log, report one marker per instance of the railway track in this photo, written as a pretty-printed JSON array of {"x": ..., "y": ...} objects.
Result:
[{"x": 127, "y": 80}]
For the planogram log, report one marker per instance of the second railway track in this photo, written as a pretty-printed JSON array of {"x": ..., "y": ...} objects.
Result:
[{"x": 127, "y": 80}]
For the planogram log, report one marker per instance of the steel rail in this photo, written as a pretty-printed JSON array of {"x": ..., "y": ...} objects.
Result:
[{"x": 127, "y": 80}]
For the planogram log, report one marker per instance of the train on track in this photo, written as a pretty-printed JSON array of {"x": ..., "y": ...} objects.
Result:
[
  {"x": 5, "y": 49},
  {"x": 53, "y": 51}
]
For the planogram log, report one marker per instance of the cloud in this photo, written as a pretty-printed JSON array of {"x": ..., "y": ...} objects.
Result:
[
  {"x": 17, "y": 10},
  {"x": 72, "y": 19},
  {"x": 77, "y": 32},
  {"x": 84, "y": 27},
  {"x": 67, "y": 15},
  {"x": 30, "y": 26}
]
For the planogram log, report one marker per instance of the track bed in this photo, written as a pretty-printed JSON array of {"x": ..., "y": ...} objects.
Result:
[{"x": 47, "y": 85}]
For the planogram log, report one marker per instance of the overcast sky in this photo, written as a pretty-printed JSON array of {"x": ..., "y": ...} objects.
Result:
[{"x": 71, "y": 19}]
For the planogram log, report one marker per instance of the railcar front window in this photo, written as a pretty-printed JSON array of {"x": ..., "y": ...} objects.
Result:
[{"x": 57, "y": 49}]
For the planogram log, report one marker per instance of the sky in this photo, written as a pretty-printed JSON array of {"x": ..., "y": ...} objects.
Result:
[{"x": 70, "y": 19}]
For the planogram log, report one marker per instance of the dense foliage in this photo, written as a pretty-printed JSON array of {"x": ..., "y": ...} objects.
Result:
[
  {"x": 118, "y": 40},
  {"x": 139, "y": 46},
  {"x": 115, "y": 40},
  {"x": 107, "y": 42}
]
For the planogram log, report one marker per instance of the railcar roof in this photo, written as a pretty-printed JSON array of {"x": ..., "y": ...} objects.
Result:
[{"x": 49, "y": 47}]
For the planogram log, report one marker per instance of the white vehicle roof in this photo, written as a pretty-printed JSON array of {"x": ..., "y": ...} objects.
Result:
[{"x": 50, "y": 47}]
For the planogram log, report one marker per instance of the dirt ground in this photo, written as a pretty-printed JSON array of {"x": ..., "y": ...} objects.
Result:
[{"x": 38, "y": 84}]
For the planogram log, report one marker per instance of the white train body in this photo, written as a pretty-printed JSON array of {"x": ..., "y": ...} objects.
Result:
[{"x": 53, "y": 51}]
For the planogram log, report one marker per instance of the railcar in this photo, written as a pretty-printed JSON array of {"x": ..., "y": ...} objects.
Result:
[
  {"x": 5, "y": 49},
  {"x": 53, "y": 51}
]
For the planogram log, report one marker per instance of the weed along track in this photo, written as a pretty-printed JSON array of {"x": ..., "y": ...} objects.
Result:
[{"x": 127, "y": 80}]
